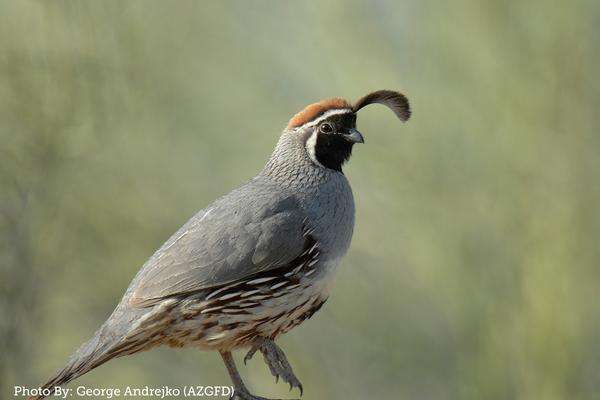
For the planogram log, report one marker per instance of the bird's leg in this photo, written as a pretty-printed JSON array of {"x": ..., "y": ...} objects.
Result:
[
  {"x": 240, "y": 391},
  {"x": 276, "y": 360}
]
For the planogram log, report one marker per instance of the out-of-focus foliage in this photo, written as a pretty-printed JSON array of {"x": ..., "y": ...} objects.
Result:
[{"x": 475, "y": 267}]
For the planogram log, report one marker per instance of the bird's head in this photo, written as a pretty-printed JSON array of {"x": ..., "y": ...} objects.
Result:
[{"x": 328, "y": 128}]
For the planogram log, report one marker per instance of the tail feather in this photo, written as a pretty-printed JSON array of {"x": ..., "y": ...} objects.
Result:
[
  {"x": 90, "y": 355},
  {"x": 113, "y": 339}
]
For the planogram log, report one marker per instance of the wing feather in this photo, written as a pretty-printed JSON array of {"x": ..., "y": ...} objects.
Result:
[{"x": 252, "y": 229}]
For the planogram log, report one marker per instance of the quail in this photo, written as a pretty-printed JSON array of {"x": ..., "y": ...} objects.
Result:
[{"x": 253, "y": 264}]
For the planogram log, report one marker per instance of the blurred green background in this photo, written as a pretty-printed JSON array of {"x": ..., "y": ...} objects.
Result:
[{"x": 474, "y": 272}]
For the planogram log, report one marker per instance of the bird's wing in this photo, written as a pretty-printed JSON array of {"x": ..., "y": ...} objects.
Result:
[{"x": 252, "y": 229}]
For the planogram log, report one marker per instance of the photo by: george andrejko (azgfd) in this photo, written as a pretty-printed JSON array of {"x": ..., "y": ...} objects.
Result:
[{"x": 145, "y": 392}]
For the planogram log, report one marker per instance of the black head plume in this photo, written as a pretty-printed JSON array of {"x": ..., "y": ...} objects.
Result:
[{"x": 395, "y": 101}]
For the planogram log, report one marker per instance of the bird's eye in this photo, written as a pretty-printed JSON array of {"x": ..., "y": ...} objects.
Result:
[{"x": 326, "y": 128}]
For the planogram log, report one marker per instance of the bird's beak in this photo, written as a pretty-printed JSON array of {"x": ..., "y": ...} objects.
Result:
[{"x": 354, "y": 136}]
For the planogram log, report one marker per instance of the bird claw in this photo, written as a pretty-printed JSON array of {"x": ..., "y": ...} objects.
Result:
[
  {"x": 250, "y": 354},
  {"x": 277, "y": 362}
]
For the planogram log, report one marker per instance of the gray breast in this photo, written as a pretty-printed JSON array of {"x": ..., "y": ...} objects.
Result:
[{"x": 330, "y": 211}]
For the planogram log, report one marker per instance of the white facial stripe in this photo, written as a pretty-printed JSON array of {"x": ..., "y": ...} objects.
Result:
[
  {"x": 324, "y": 116},
  {"x": 311, "y": 143}
]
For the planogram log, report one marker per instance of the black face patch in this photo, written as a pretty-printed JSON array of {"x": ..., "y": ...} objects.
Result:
[{"x": 332, "y": 150}]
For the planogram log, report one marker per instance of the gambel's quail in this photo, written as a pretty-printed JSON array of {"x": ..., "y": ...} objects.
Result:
[{"x": 253, "y": 264}]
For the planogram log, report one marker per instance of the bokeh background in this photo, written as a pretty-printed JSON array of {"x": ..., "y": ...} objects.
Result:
[{"x": 474, "y": 271}]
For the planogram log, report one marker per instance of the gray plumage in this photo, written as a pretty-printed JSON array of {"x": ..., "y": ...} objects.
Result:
[{"x": 248, "y": 267}]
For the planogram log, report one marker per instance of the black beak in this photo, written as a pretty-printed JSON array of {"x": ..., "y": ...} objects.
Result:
[{"x": 354, "y": 136}]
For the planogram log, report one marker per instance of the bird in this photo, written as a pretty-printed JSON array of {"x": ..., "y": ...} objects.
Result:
[{"x": 253, "y": 264}]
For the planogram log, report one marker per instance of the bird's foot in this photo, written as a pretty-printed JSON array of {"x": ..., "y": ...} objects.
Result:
[{"x": 277, "y": 362}]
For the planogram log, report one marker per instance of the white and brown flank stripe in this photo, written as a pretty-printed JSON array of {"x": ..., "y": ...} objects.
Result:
[{"x": 266, "y": 304}]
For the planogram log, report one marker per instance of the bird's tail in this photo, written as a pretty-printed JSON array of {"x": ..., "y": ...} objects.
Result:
[
  {"x": 113, "y": 339},
  {"x": 86, "y": 358},
  {"x": 95, "y": 352}
]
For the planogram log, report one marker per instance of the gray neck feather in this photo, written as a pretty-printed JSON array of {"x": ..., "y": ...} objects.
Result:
[{"x": 290, "y": 164}]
